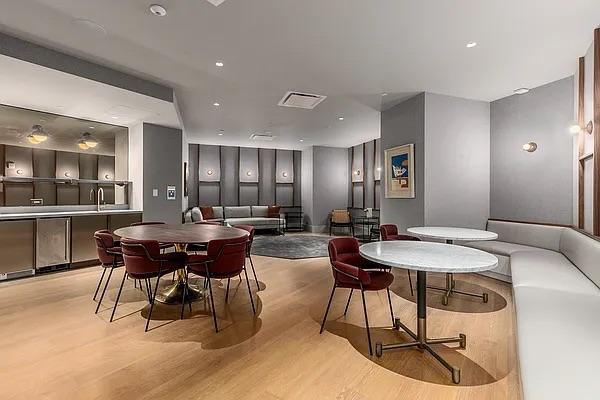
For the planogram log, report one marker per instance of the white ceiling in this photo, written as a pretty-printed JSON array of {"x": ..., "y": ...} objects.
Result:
[{"x": 349, "y": 50}]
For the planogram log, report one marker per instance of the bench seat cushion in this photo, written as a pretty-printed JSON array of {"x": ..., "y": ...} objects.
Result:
[
  {"x": 498, "y": 247},
  {"x": 557, "y": 335},
  {"x": 549, "y": 270},
  {"x": 256, "y": 222}
]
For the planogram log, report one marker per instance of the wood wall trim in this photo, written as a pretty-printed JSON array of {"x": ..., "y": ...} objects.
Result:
[
  {"x": 596, "y": 132},
  {"x": 581, "y": 143}
]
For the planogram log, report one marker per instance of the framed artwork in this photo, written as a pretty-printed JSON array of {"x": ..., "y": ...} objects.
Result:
[{"x": 400, "y": 172}]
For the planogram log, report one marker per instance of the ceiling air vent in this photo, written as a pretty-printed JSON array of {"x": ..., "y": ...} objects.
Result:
[
  {"x": 301, "y": 100},
  {"x": 262, "y": 137}
]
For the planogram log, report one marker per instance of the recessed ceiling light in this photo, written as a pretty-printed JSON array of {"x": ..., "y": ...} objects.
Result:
[
  {"x": 221, "y": 132},
  {"x": 522, "y": 90},
  {"x": 216, "y": 104},
  {"x": 470, "y": 45},
  {"x": 219, "y": 63},
  {"x": 114, "y": 117},
  {"x": 302, "y": 140},
  {"x": 384, "y": 94},
  {"x": 341, "y": 118},
  {"x": 91, "y": 127},
  {"x": 158, "y": 10}
]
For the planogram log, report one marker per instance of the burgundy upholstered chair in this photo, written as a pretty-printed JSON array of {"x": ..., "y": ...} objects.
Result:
[
  {"x": 144, "y": 261},
  {"x": 163, "y": 246},
  {"x": 250, "y": 229},
  {"x": 343, "y": 254},
  {"x": 390, "y": 232},
  {"x": 225, "y": 259},
  {"x": 196, "y": 247},
  {"x": 109, "y": 254}
]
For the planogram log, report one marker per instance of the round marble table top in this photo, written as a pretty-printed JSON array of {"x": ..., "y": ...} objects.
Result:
[
  {"x": 451, "y": 233},
  {"x": 182, "y": 233},
  {"x": 428, "y": 256}
]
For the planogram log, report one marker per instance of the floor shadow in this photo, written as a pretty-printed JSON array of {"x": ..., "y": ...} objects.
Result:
[{"x": 456, "y": 302}]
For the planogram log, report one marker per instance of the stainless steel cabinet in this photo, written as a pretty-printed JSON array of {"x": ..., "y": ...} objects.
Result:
[{"x": 52, "y": 245}]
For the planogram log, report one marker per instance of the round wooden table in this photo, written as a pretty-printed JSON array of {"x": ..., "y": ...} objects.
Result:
[
  {"x": 426, "y": 257},
  {"x": 180, "y": 236},
  {"x": 451, "y": 234}
]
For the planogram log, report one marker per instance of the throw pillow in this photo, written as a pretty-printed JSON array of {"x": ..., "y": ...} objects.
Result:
[
  {"x": 273, "y": 211},
  {"x": 207, "y": 212}
]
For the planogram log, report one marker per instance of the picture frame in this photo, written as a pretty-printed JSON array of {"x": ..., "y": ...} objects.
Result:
[{"x": 400, "y": 172}]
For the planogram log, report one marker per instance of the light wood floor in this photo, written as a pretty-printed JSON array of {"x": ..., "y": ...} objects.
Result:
[{"x": 52, "y": 346}]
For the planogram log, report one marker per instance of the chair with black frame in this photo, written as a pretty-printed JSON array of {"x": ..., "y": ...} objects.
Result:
[
  {"x": 225, "y": 259},
  {"x": 144, "y": 261},
  {"x": 110, "y": 256},
  {"x": 340, "y": 219},
  {"x": 390, "y": 232},
  {"x": 196, "y": 247},
  {"x": 352, "y": 271},
  {"x": 251, "y": 230}
]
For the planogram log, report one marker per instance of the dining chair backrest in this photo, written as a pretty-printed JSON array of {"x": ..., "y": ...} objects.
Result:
[
  {"x": 340, "y": 216},
  {"x": 105, "y": 244},
  {"x": 142, "y": 257},
  {"x": 250, "y": 229},
  {"x": 216, "y": 223},
  {"x": 147, "y": 223},
  {"x": 387, "y": 230},
  {"x": 344, "y": 249},
  {"x": 228, "y": 255}
]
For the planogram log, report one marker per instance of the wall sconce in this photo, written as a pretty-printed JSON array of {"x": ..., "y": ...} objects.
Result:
[
  {"x": 19, "y": 172},
  {"x": 530, "y": 147},
  {"x": 249, "y": 173},
  {"x": 357, "y": 172},
  {"x": 378, "y": 169},
  {"x": 68, "y": 174},
  {"x": 575, "y": 128},
  {"x": 284, "y": 174},
  {"x": 107, "y": 177},
  {"x": 209, "y": 172}
]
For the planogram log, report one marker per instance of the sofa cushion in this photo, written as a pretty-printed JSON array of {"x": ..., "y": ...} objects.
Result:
[
  {"x": 217, "y": 213},
  {"x": 498, "y": 247},
  {"x": 196, "y": 215},
  {"x": 549, "y": 270},
  {"x": 187, "y": 218},
  {"x": 583, "y": 251},
  {"x": 544, "y": 236},
  {"x": 260, "y": 211},
  {"x": 237, "y": 212},
  {"x": 558, "y": 345},
  {"x": 208, "y": 212},
  {"x": 256, "y": 222}
]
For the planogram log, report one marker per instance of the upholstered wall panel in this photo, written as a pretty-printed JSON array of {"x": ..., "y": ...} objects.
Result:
[
  {"x": 378, "y": 195},
  {"x": 22, "y": 158},
  {"x": 249, "y": 194},
  {"x": 297, "y": 178},
  {"x": 106, "y": 171},
  {"x": 285, "y": 166},
  {"x": 369, "y": 184},
  {"x": 266, "y": 182},
  {"x": 248, "y": 164},
  {"x": 357, "y": 164},
  {"x": 88, "y": 169},
  {"x": 378, "y": 164},
  {"x": 208, "y": 194},
  {"x": 44, "y": 164},
  {"x": 193, "y": 175},
  {"x": 357, "y": 194},
  {"x": 209, "y": 163},
  {"x": 285, "y": 195},
  {"x": 229, "y": 176},
  {"x": 67, "y": 166}
]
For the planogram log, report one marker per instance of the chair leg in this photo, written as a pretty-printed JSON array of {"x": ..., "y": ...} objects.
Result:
[
  {"x": 327, "y": 309},
  {"x": 99, "y": 283},
  {"x": 185, "y": 286},
  {"x": 152, "y": 303},
  {"x": 254, "y": 272},
  {"x": 118, "y": 297},
  {"x": 348, "y": 302},
  {"x": 249, "y": 291},
  {"x": 104, "y": 290},
  {"x": 410, "y": 283},
  {"x": 391, "y": 309},
  {"x": 212, "y": 304},
  {"x": 227, "y": 291},
  {"x": 362, "y": 292}
]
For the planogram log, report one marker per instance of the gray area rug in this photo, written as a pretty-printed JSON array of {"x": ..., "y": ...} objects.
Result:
[{"x": 291, "y": 246}]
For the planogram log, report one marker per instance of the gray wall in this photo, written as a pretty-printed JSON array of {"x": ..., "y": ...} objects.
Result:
[
  {"x": 457, "y": 161},
  {"x": 163, "y": 167},
  {"x": 330, "y": 184},
  {"x": 403, "y": 124},
  {"x": 533, "y": 186}
]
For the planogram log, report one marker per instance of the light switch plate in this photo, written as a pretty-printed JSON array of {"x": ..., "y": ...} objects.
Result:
[{"x": 154, "y": 192}]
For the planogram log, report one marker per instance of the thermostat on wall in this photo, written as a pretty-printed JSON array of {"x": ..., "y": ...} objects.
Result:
[{"x": 171, "y": 193}]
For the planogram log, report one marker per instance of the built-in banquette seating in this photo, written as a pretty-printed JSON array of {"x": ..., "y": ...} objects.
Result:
[
  {"x": 260, "y": 217},
  {"x": 556, "y": 277}
]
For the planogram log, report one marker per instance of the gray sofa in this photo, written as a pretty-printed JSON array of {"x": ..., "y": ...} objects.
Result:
[
  {"x": 256, "y": 216},
  {"x": 555, "y": 275}
]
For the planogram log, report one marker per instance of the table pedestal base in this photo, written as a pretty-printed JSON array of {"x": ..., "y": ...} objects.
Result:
[
  {"x": 450, "y": 287},
  {"x": 420, "y": 338},
  {"x": 173, "y": 294}
]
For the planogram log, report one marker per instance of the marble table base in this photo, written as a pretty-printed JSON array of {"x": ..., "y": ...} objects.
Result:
[
  {"x": 420, "y": 338},
  {"x": 450, "y": 289}
]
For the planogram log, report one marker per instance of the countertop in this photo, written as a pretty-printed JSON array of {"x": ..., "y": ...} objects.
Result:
[{"x": 56, "y": 214}]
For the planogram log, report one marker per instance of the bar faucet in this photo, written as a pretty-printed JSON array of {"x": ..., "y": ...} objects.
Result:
[
  {"x": 100, "y": 195},
  {"x": 92, "y": 194}
]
